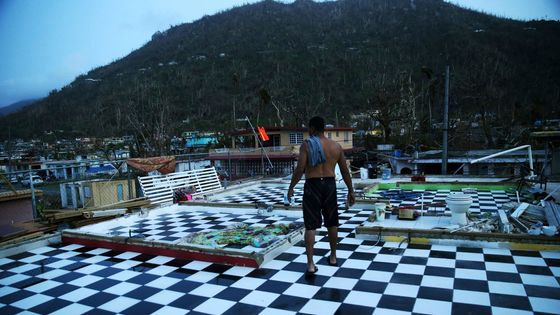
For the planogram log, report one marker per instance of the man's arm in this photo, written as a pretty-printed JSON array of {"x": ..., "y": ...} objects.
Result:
[
  {"x": 351, "y": 199},
  {"x": 300, "y": 169}
]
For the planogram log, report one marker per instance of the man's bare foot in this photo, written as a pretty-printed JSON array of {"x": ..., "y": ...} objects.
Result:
[
  {"x": 311, "y": 269},
  {"x": 332, "y": 261}
]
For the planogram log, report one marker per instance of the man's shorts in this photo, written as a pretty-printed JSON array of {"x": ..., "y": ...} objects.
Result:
[{"x": 319, "y": 197}]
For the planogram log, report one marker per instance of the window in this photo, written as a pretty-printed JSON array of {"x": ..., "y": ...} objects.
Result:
[
  {"x": 329, "y": 135},
  {"x": 120, "y": 193},
  {"x": 296, "y": 138},
  {"x": 337, "y": 133},
  {"x": 346, "y": 137}
]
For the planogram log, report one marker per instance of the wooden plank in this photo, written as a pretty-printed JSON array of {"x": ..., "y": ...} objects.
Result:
[{"x": 520, "y": 209}]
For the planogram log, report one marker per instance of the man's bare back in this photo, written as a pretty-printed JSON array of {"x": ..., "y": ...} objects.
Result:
[{"x": 333, "y": 154}]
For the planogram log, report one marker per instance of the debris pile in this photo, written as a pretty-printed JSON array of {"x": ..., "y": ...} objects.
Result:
[{"x": 532, "y": 219}]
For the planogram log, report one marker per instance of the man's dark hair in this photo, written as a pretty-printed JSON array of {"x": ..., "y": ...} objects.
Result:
[{"x": 317, "y": 123}]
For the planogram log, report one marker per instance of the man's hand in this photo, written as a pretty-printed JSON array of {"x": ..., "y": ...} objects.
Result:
[
  {"x": 290, "y": 193},
  {"x": 350, "y": 199}
]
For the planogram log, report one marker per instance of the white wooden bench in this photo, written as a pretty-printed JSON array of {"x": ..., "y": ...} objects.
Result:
[{"x": 159, "y": 188}]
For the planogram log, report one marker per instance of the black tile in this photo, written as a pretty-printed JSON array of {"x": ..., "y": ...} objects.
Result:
[
  {"x": 8, "y": 266},
  {"x": 471, "y": 285},
  {"x": 467, "y": 264},
  {"x": 383, "y": 266},
  {"x": 27, "y": 283},
  {"x": 103, "y": 284},
  {"x": 60, "y": 290},
  {"x": 112, "y": 253},
  {"x": 50, "y": 306},
  {"x": 217, "y": 268},
  {"x": 295, "y": 266},
  {"x": 75, "y": 266},
  {"x": 348, "y": 247},
  {"x": 242, "y": 308},
  {"x": 498, "y": 258},
  {"x": 414, "y": 260},
  {"x": 188, "y": 301},
  {"x": 350, "y": 309},
  {"x": 442, "y": 254},
  {"x": 430, "y": 293},
  {"x": 542, "y": 292},
  {"x": 143, "y": 278},
  {"x": 315, "y": 280},
  {"x": 392, "y": 251},
  {"x": 439, "y": 271},
  {"x": 406, "y": 278},
  {"x": 97, "y": 311},
  {"x": 286, "y": 257},
  {"x": 274, "y": 286},
  {"x": 68, "y": 277},
  {"x": 362, "y": 256},
  {"x": 419, "y": 246},
  {"x": 503, "y": 276},
  {"x": 143, "y": 293},
  {"x": 370, "y": 286},
  {"x": 510, "y": 301},
  {"x": 470, "y": 309},
  {"x": 142, "y": 307},
  {"x": 9, "y": 310},
  {"x": 393, "y": 302},
  {"x": 288, "y": 303},
  {"x": 98, "y": 299},
  {"x": 177, "y": 262},
  {"x": 15, "y": 296},
  {"x": 181, "y": 273},
  {"x": 262, "y": 273},
  {"x": 552, "y": 262},
  {"x": 106, "y": 272},
  {"x": 232, "y": 294},
  {"x": 469, "y": 250},
  {"x": 20, "y": 256},
  {"x": 331, "y": 294},
  {"x": 349, "y": 273},
  {"x": 537, "y": 270},
  {"x": 528, "y": 253},
  {"x": 224, "y": 280}
]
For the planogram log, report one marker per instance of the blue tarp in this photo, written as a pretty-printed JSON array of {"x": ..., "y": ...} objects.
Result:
[{"x": 101, "y": 169}]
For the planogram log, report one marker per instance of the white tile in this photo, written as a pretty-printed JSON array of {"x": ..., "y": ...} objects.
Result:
[
  {"x": 163, "y": 282},
  {"x": 74, "y": 309},
  {"x": 374, "y": 275},
  {"x": 13, "y": 279},
  {"x": 471, "y": 297},
  {"x": 214, "y": 306},
  {"x": 248, "y": 283},
  {"x": 276, "y": 264},
  {"x": 555, "y": 271},
  {"x": 471, "y": 274},
  {"x": 506, "y": 288},
  {"x": 122, "y": 288},
  {"x": 127, "y": 264},
  {"x": 387, "y": 258},
  {"x": 384, "y": 311},
  {"x": 95, "y": 259},
  {"x": 85, "y": 280},
  {"x": 4, "y": 261},
  {"x": 260, "y": 298},
  {"x": 275, "y": 311},
  {"x": 32, "y": 259},
  {"x": 417, "y": 252},
  {"x": 124, "y": 275},
  {"x": 550, "y": 254},
  {"x": 202, "y": 276},
  {"x": 71, "y": 247},
  {"x": 368, "y": 249},
  {"x": 287, "y": 276},
  {"x": 529, "y": 261},
  {"x": 43, "y": 286},
  {"x": 469, "y": 256},
  {"x": 320, "y": 307},
  {"x": 340, "y": 283},
  {"x": 208, "y": 290},
  {"x": 356, "y": 264},
  {"x": 500, "y": 267},
  {"x": 325, "y": 270},
  {"x": 161, "y": 270},
  {"x": 432, "y": 307},
  {"x": 127, "y": 255},
  {"x": 508, "y": 311},
  {"x": 239, "y": 271},
  {"x": 25, "y": 268},
  {"x": 197, "y": 265},
  {"x": 545, "y": 305},
  {"x": 41, "y": 250},
  {"x": 53, "y": 274},
  {"x": 78, "y": 294},
  {"x": 497, "y": 251},
  {"x": 119, "y": 304},
  {"x": 32, "y": 301},
  {"x": 410, "y": 269},
  {"x": 66, "y": 255},
  {"x": 170, "y": 310},
  {"x": 7, "y": 290},
  {"x": 437, "y": 282},
  {"x": 540, "y": 280},
  {"x": 402, "y": 290},
  {"x": 99, "y": 251},
  {"x": 164, "y": 297},
  {"x": 302, "y": 290},
  {"x": 160, "y": 260},
  {"x": 363, "y": 298},
  {"x": 89, "y": 269},
  {"x": 441, "y": 262}
]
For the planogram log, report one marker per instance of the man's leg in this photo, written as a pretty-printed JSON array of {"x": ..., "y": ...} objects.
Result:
[
  {"x": 333, "y": 238},
  {"x": 309, "y": 243}
]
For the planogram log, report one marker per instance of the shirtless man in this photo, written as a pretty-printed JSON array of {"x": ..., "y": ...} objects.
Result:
[{"x": 319, "y": 193}]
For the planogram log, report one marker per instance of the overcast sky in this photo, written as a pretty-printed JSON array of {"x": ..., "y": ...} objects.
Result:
[{"x": 47, "y": 43}]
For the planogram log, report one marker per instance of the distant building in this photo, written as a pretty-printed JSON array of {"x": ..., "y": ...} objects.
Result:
[{"x": 95, "y": 193}]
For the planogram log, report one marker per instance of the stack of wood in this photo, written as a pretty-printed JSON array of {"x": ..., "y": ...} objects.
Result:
[
  {"x": 107, "y": 211},
  {"x": 526, "y": 215}
]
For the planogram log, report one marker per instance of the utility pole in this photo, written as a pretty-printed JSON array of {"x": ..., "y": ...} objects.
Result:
[{"x": 445, "y": 123}]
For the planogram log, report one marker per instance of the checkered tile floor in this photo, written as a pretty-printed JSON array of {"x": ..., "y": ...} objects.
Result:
[
  {"x": 173, "y": 227},
  {"x": 273, "y": 195},
  {"x": 382, "y": 279},
  {"x": 483, "y": 201}
]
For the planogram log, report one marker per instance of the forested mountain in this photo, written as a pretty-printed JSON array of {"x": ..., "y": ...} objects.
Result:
[
  {"x": 282, "y": 63},
  {"x": 14, "y": 107}
]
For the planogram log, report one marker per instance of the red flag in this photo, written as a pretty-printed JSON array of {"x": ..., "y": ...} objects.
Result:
[{"x": 262, "y": 134}]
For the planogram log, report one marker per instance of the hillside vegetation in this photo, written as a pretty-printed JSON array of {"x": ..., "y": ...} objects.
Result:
[{"x": 282, "y": 63}]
